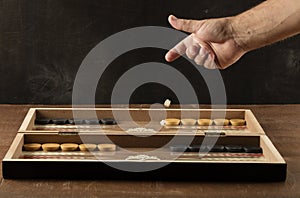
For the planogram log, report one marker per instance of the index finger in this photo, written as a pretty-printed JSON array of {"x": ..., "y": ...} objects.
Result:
[{"x": 179, "y": 49}]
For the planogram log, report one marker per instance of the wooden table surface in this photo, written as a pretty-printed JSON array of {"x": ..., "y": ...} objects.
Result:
[{"x": 280, "y": 122}]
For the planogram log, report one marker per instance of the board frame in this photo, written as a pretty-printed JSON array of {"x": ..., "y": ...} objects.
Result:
[{"x": 273, "y": 169}]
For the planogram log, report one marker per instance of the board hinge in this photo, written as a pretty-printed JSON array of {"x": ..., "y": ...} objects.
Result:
[
  {"x": 215, "y": 133},
  {"x": 68, "y": 133}
]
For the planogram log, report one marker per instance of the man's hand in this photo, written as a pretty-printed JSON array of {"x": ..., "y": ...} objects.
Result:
[{"x": 211, "y": 43}]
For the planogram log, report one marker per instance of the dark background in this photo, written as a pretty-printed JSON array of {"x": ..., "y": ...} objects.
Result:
[{"x": 43, "y": 42}]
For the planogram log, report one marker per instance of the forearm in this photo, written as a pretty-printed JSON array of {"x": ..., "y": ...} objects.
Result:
[{"x": 271, "y": 21}]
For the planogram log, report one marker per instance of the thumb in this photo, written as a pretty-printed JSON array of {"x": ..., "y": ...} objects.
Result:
[{"x": 185, "y": 25}]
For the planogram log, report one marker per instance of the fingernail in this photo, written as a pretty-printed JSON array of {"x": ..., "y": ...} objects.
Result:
[
  {"x": 173, "y": 18},
  {"x": 167, "y": 57}
]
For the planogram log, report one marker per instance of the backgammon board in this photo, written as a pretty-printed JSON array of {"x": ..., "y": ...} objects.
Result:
[{"x": 142, "y": 143}]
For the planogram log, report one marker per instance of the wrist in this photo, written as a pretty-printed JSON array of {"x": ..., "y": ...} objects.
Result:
[{"x": 240, "y": 33}]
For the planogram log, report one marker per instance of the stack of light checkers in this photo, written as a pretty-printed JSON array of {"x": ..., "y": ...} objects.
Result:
[
  {"x": 68, "y": 147},
  {"x": 204, "y": 122},
  {"x": 64, "y": 121},
  {"x": 217, "y": 148}
]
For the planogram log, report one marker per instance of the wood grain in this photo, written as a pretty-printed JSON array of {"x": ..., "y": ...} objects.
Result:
[{"x": 280, "y": 122}]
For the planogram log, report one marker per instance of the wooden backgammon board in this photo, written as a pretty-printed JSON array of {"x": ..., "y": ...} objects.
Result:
[{"x": 185, "y": 144}]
